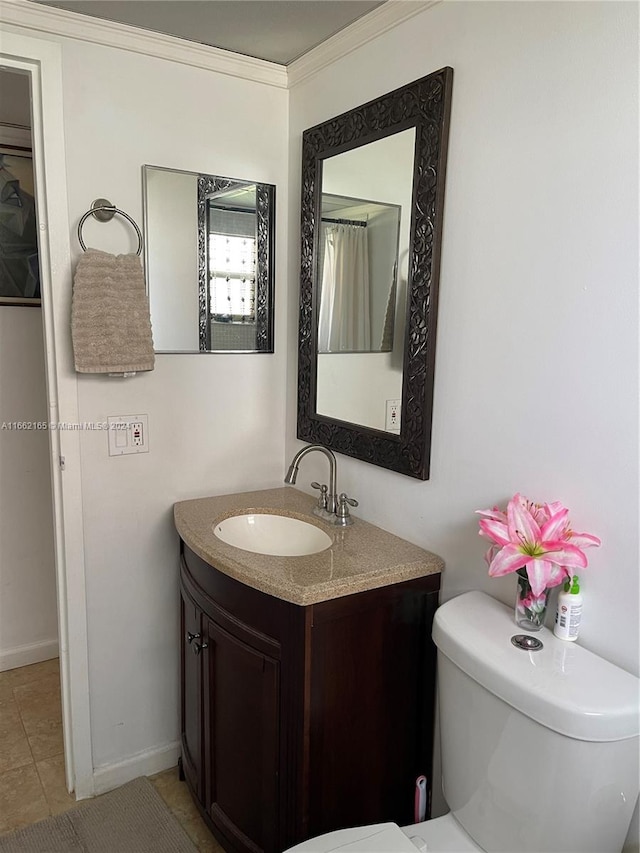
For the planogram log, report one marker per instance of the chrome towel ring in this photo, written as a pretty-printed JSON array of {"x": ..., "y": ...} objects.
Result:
[{"x": 104, "y": 211}]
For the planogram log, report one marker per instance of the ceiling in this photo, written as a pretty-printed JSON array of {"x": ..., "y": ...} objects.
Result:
[{"x": 276, "y": 30}]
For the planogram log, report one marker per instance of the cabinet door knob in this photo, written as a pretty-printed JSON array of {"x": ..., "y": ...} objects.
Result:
[
  {"x": 191, "y": 637},
  {"x": 197, "y": 647}
]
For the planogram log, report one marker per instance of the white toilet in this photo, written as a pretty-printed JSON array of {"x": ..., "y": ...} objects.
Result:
[{"x": 540, "y": 748}]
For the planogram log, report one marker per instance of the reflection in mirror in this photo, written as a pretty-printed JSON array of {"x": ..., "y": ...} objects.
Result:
[
  {"x": 358, "y": 264},
  {"x": 363, "y": 282},
  {"x": 230, "y": 267},
  {"x": 209, "y": 261},
  {"x": 368, "y": 302}
]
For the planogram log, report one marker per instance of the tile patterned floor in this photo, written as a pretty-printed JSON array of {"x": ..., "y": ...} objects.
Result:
[
  {"x": 176, "y": 795},
  {"x": 32, "y": 782}
]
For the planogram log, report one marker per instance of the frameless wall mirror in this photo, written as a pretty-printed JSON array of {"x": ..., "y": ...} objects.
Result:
[
  {"x": 209, "y": 260},
  {"x": 372, "y": 207}
]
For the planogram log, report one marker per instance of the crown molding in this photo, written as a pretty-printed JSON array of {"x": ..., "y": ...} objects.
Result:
[
  {"x": 370, "y": 26},
  {"x": 49, "y": 20}
]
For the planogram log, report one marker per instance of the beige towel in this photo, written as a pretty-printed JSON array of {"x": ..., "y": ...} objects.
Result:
[{"x": 110, "y": 322}]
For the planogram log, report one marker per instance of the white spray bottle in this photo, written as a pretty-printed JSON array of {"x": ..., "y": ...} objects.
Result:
[{"x": 569, "y": 612}]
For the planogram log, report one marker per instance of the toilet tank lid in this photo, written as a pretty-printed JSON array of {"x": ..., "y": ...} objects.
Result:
[{"x": 563, "y": 686}]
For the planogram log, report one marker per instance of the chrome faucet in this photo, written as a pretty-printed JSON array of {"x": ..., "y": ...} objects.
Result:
[{"x": 292, "y": 473}]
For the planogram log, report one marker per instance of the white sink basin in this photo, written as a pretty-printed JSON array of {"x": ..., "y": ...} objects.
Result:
[{"x": 278, "y": 535}]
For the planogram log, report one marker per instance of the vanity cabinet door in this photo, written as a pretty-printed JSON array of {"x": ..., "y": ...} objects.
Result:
[
  {"x": 242, "y": 694},
  {"x": 191, "y": 693},
  {"x": 372, "y": 701}
]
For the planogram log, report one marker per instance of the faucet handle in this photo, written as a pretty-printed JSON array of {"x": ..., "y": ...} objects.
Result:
[
  {"x": 344, "y": 499},
  {"x": 343, "y": 517},
  {"x": 321, "y": 508}
]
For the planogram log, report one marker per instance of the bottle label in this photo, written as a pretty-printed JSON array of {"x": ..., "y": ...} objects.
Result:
[
  {"x": 575, "y": 614},
  {"x": 562, "y": 616},
  {"x": 568, "y": 617}
]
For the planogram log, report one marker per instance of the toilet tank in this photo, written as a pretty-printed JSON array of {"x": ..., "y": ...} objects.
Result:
[{"x": 540, "y": 749}]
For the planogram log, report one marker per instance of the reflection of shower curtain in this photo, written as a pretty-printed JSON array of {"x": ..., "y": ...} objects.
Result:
[
  {"x": 345, "y": 318},
  {"x": 386, "y": 344}
]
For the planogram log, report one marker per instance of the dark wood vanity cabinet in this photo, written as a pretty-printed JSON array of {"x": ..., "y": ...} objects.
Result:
[
  {"x": 191, "y": 694},
  {"x": 298, "y": 720}
]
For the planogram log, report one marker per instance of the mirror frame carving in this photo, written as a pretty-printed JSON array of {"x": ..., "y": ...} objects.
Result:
[
  {"x": 426, "y": 105},
  {"x": 265, "y": 247}
]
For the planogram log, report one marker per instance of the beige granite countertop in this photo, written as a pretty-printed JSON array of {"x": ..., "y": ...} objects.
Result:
[{"x": 362, "y": 556}]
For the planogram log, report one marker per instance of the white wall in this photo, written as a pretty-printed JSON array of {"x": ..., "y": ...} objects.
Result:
[
  {"x": 536, "y": 382},
  {"x": 354, "y": 387},
  {"x": 28, "y": 612},
  {"x": 15, "y": 102},
  {"x": 216, "y": 422}
]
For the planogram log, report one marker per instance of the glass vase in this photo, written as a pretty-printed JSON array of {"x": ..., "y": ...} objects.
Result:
[{"x": 531, "y": 610}]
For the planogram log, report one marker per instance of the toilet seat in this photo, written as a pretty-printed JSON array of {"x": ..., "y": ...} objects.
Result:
[
  {"x": 375, "y": 838},
  {"x": 441, "y": 835}
]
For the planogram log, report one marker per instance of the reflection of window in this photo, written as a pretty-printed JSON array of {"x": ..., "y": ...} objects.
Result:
[{"x": 232, "y": 266}]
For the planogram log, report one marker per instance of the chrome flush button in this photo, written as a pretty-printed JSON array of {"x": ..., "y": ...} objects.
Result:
[{"x": 527, "y": 642}]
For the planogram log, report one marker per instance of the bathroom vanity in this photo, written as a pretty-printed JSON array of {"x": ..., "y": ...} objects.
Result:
[{"x": 307, "y": 691}]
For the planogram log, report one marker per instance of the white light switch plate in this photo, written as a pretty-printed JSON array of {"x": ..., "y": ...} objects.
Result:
[{"x": 128, "y": 434}]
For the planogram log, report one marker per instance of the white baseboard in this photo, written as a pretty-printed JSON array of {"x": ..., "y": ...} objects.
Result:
[
  {"x": 26, "y": 655},
  {"x": 110, "y": 776}
]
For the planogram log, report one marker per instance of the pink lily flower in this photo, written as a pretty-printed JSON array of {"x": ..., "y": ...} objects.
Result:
[
  {"x": 580, "y": 540},
  {"x": 535, "y": 537}
]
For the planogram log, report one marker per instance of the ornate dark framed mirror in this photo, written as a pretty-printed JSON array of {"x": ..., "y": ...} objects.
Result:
[
  {"x": 368, "y": 303},
  {"x": 209, "y": 261}
]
